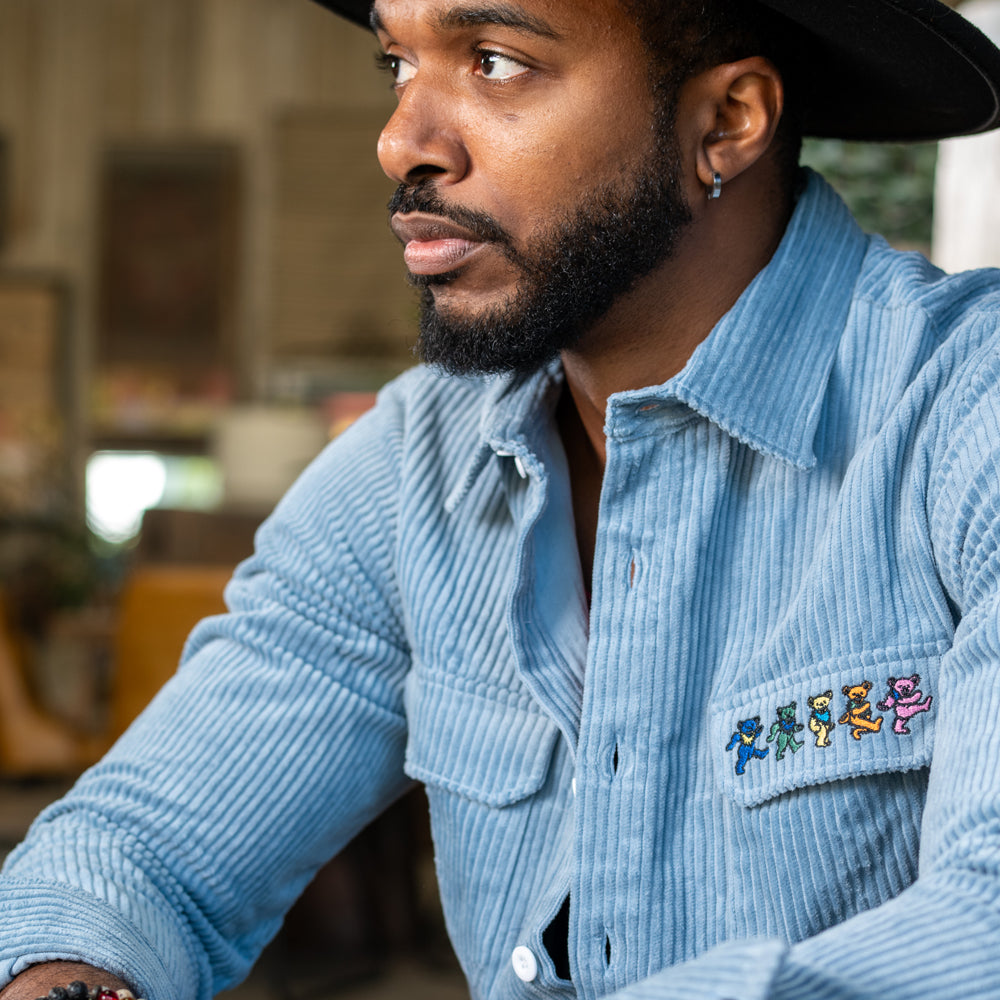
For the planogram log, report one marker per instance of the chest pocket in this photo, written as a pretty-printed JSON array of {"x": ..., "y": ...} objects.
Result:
[
  {"x": 489, "y": 745},
  {"x": 865, "y": 714}
]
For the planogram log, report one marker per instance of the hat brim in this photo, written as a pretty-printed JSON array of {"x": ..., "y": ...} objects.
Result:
[{"x": 887, "y": 70}]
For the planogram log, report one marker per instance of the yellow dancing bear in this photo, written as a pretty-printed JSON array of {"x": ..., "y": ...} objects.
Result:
[{"x": 821, "y": 718}]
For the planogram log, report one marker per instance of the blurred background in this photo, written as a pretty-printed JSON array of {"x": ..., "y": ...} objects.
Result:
[{"x": 197, "y": 291}]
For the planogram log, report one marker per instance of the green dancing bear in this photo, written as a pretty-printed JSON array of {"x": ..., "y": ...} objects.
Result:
[{"x": 784, "y": 731}]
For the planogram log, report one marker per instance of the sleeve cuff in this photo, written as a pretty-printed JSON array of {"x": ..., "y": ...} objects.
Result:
[{"x": 42, "y": 922}]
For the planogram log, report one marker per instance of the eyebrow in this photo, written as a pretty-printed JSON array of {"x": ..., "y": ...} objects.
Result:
[{"x": 505, "y": 15}]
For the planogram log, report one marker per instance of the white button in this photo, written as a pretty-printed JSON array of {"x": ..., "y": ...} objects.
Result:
[
  {"x": 573, "y": 786},
  {"x": 519, "y": 465},
  {"x": 525, "y": 964}
]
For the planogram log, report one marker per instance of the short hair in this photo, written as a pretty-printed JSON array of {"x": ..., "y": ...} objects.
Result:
[{"x": 685, "y": 37}]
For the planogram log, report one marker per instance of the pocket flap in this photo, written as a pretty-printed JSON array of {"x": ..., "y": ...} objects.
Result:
[
  {"x": 494, "y": 748},
  {"x": 761, "y": 751}
]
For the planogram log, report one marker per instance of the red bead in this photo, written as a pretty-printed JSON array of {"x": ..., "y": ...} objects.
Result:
[{"x": 107, "y": 995}]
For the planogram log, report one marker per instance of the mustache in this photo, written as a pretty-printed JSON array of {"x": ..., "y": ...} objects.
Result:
[{"x": 424, "y": 197}]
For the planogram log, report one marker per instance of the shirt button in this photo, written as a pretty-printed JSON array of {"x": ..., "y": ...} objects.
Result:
[
  {"x": 525, "y": 964},
  {"x": 572, "y": 785},
  {"x": 519, "y": 465}
]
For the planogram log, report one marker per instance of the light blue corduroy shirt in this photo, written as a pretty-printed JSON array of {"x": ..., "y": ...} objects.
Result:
[{"x": 765, "y": 764}]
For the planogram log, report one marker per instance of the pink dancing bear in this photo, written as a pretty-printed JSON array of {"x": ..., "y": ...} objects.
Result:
[{"x": 904, "y": 699}]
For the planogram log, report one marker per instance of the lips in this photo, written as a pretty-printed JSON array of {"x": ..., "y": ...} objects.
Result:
[{"x": 433, "y": 245}]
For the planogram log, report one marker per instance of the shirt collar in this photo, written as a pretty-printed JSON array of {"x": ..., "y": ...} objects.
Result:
[
  {"x": 514, "y": 408},
  {"x": 761, "y": 375}
]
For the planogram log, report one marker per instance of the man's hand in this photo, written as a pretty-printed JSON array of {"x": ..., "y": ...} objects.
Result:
[{"x": 39, "y": 979}]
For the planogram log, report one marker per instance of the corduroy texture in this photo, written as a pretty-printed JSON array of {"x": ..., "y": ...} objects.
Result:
[{"x": 813, "y": 504}]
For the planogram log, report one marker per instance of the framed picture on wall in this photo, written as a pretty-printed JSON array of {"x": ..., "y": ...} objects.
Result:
[
  {"x": 168, "y": 264},
  {"x": 168, "y": 247}
]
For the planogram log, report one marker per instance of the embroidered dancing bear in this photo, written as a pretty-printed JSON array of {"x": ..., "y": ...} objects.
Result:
[
  {"x": 784, "y": 731},
  {"x": 904, "y": 699},
  {"x": 859, "y": 711},
  {"x": 746, "y": 735},
  {"x": 821, "y": 718}
]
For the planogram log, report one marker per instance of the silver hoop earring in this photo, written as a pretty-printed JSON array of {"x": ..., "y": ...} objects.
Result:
[{"x": 716, "y": 189}]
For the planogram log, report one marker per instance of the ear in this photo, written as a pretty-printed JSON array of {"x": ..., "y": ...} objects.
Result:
[{"x": 732, "y": 111}]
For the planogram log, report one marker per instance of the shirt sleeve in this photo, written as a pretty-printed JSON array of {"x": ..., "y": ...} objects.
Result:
[
  {"x": 173, "y": 861},
  {"x": 940, "y": 938}
]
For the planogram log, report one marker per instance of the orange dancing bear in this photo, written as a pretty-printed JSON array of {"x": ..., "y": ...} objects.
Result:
[{"x": 859, "y": 710}]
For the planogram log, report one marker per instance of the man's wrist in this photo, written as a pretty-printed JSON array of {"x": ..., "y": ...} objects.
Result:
[
  {"x": 37, "y": 980},
  {"x": 79, "y": 990}
]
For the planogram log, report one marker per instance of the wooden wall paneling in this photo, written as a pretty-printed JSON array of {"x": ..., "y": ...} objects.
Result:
[
  {"x": 5, "y": 195},
  {"x": 230, "y": 37},
  {"x": 169, "y": 45},
  {"x": 122, "y": 73},
  {"x": 72, "y": 58},
  {"x": 19, "y": 29},
  {"x": 338, "y": 277}
]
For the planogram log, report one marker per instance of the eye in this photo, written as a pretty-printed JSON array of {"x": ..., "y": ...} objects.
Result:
[
  {"x": 495, "y": 66},
  {"x": 398, "y": 68}
]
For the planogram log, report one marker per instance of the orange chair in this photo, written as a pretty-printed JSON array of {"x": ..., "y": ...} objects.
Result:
[{"x": 159, "y": 607}]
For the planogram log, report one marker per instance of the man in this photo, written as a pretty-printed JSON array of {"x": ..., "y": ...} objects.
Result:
[{"x": 739, "y": 477}]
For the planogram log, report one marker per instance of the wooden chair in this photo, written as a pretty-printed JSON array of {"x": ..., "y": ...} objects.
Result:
[{"x": 160, "y": 604}]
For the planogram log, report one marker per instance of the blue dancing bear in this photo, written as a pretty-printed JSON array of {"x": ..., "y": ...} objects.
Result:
[{"x": 744, "y": 739}]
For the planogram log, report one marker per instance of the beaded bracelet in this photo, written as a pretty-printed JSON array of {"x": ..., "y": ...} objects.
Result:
[{"x": 78, "y": 990}]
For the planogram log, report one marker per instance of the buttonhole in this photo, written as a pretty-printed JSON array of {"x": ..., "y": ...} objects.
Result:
[
  {"x": 607, "y": 949},
  {"x": 631, "y": 574},
  {"x": 614, "y": 760}
]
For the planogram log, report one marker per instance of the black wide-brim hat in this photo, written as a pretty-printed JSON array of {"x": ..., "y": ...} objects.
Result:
[{"x": 892, "y": 70}]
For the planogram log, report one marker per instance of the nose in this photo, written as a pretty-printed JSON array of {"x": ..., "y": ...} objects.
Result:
[{"x": 423, "y": 139}]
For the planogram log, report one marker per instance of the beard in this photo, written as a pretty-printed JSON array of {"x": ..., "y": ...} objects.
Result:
[{"x": 569, "y": 276}]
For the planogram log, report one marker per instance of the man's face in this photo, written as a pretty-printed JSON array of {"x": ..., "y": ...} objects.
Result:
[{"x": 538, "y": 177}]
